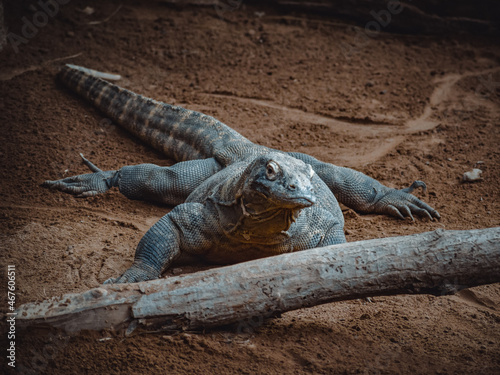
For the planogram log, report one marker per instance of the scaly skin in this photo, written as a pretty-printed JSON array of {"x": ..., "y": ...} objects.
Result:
[{"x": 235, "y": 201}]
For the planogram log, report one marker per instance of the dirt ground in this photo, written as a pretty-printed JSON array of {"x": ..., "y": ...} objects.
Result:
[{"x": 396, "y": 107}]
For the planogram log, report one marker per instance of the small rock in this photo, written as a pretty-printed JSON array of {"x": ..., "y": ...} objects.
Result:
[
  {"x": 88, "y": 11},
  {"x": 98, "y": 292},
  {"x": 177, "y": 271},
  {"x": 70, "y": 34},
  {"x": 131, "y": 327},
  {"x": 369, "y": 84},
  {"x": 383, "y": 92},
  {"x": 471, "y": 176}
]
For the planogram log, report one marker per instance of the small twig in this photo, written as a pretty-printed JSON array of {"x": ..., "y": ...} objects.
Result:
[
  {"x": 8, "y": 75},
  {"x": 63, "y": 58},
  {"x": 107, "y": 18}
]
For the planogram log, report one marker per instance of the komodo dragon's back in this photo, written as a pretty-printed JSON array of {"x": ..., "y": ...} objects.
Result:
[{"x": 179, "y": 133}]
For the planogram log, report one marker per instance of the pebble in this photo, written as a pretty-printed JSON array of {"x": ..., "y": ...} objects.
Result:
[
  {"x": 177, "y": 271},
  {"x": 471, "y": 176},
  {"x": 88, "y": 11}
]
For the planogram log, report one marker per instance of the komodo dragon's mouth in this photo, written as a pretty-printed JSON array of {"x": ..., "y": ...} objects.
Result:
[
  {"x": 288, "y": 201},
  {"x": 298, "y": 202}
]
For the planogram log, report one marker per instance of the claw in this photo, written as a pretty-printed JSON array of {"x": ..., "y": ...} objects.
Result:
[
  {"x": 436, "y": 214},
  {"x": 395, "y": 211},
  {"x": 420, "y": 211},
  {"x": 428, "y": 215},
  {"x": 86, "y": 194},
  {"x": 47, "y": 184},
  {"x": 111, "y": 280},
  {"x": 416, "y": 184},
  {"x": 91, "y": 165},
  {"x": 407, "y": 211}
]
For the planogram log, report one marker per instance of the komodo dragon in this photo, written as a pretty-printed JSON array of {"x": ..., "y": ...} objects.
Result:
[{"x": 235, "y": 200}]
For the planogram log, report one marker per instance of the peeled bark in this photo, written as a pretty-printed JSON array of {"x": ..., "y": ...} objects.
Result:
[{"x": 439, "y": 262}]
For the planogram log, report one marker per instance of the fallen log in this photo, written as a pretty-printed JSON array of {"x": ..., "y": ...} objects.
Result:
[{"x": 439, "y": 262}]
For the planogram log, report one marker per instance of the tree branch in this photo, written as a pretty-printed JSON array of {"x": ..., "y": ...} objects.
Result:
[{"x": 439, "y": 262}]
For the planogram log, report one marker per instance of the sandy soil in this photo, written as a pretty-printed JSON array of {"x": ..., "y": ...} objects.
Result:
[{"x": 397, "y": 107}]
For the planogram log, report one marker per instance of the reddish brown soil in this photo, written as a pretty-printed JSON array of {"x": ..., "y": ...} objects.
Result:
[{"x": 399, "y": 108}]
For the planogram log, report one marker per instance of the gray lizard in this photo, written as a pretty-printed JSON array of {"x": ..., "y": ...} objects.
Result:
[{"x": 235, "y": 200}]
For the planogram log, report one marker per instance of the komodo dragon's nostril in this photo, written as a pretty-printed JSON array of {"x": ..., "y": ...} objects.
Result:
[{"x": 291, "y": 187}]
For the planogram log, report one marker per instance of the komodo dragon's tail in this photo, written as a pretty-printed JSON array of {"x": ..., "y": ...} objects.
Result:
[{"x": 179, "y": 133}]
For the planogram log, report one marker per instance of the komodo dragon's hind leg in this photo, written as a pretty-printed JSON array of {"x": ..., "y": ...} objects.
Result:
[{"x": 149, "y": 182}]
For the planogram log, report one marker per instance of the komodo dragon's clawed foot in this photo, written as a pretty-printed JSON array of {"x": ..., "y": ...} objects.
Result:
[
  {"x": 85, "y": 185},
  {"x": 135, "y": 274},
  {"x": 402, "y": 204}
]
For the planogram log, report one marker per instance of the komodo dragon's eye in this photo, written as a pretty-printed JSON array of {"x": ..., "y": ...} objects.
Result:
[{"x": 272, "y": 170}]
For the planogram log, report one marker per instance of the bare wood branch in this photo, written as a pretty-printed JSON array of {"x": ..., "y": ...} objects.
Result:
[{"x": 439, "y": 262}]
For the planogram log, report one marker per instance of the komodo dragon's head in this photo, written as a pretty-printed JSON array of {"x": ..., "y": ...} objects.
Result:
[
  {"x": 276, "y": 181},
  {"x": 272, "y": 191}
]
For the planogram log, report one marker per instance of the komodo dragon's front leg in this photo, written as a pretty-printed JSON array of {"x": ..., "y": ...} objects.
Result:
[
  {"x": 188, "y": 228},
  {"x": 365, "y": 194},
  {"x": 149, "y": 182}
]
